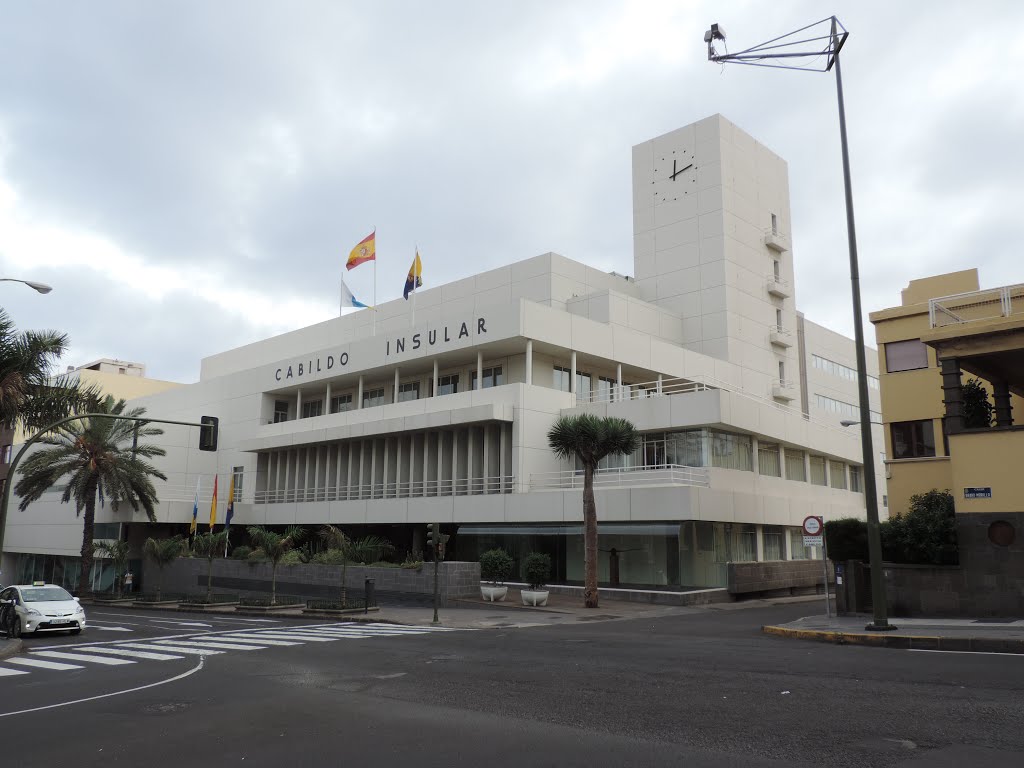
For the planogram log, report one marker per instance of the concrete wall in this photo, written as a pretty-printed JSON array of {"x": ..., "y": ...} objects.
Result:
[{"x": 456, "y": 580}]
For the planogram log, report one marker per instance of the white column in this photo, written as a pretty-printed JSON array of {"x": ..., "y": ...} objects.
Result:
[
  {"x": 298, "y": 403},
  {"x": 807, "y": 466},
  {"x": 529, "y": 361},
  {"x": 502, "y": 458},
  {"x": 327, "y": 404},
  {"x": 348, "y": 474},
  {"x": 469, "y": 459},
  {"x": 788, "y": 542},
  {"x": 479, "y": 369},
  {"x": 659, "y": 383},
  {"x": 618, "y": 379},
  {"x": 572, "y": 373},
  {"x": 426, "y": 462},
  {"x": 395, "y": 397},
  {"x": 373, "y": 466},
  {"x": 455, "y": 458},
  {"x": 757, "y": 463},
  {"x": 398, "y": 465},
  {"x": 434, "y": 388},
  {"x": 440, "y": 463},
  {"x": 760, "y": 543},
  {"x": 359, "y": 393},
  {"x": 337, "y": 473},
  {"x": 485, "y": 484}
]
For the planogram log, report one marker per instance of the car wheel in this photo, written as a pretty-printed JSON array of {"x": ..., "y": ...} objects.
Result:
[{"x": 17, "y": 628}]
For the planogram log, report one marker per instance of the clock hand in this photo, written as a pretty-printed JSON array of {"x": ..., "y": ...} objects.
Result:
[{"x": 676, "y": 173}]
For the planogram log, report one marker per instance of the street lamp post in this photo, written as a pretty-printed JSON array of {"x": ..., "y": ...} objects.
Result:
[
  {"x": 40, "y": 287},
  {"x": 787, "y": 52}
]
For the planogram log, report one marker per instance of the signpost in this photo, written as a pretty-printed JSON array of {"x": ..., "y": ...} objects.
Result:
[
  {"x": 978, "y": 493},
  {"x": 814, "y": 536}
]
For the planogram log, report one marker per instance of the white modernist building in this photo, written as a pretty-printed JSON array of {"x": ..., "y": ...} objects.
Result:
[{"x": 445, "y": 419}]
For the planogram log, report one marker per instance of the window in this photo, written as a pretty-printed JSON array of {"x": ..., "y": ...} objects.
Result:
[
  {"x": 849, "y": 410},
  {"x": 818, "y": 471},
  {"x": 493, "y": 377},
  {"x": 885, "y": 500},
  {"x": 583, "y": 386},
  {"x": 909, "y": 355},
  {"x": 775, "y": 224},
  {"x": 730, "y": 451},
  {"x": 106, "y": 531},
  {"x": 745, "y": 544},
  {"x": 837, "y": 474},
  {"x": 840, "y": 370},
  {"x": 796, "y": 544},
  {"x": 373, "y": 397},
  {"x": 778, "y": 320},
  {"x": 605, "y": 387},
  {"x": 768, "y": 461},
  {"x": 408, "y": 391},
  {"x": 312, "y": 409},
  {"x": 341, "y": 403},
  {"x": 775, "y": 269},
  {"x": 685, "y": 448},
  {"x": 561, "y": 378},
  {"x": 774, "y": 547},
  {"x": 448, "y": 385},
  {"x": 238, "y": 475},
  {"x": 855, "y": 480},
  {"x": 5, "y": 454},
  {"x": 912, "y": 439},
  {"x": 280, "y": 410},
  {"x": 121, "y": 370},
  {"x": 782, "y": 371},
  {"x": 795, "y": 469}
]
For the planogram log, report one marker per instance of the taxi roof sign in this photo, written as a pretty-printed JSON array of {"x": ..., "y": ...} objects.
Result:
[{"x": 38, "y": 583}]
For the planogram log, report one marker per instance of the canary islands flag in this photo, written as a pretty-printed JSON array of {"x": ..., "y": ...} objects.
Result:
[
  {"x": 365, "y": 251},
  {"x": 195, "y": 512},
  {"x": 347, "y": 299},
  {"x": 213, "y": 505},
  {"x": 415, "y": 278},
  {"x": 231, "y": 504}
]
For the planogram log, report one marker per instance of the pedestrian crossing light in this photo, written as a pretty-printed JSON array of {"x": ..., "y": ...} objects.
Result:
[
  {"x": 434, "y": 536},
  {"x": 208, "y": 433}
]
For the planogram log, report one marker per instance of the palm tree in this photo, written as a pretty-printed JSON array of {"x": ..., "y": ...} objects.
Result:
[
  {"x": 588, "y": 439},
  {"x": 370, "y": 549},
  {"x": 335, "y": 538},
  {"x": 100, "y": 461},
  {"x": 163, "y": 552},
  {"x": 29, "y": 397},
  {"x": 274, "y": 547},
  {"x": 209, "y": 545},
  {"x": 117, "y": 553}
]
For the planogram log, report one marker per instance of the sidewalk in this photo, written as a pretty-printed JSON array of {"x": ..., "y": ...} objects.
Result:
[
  {"x": 9, "y": 647},
  {"x": 962, "y": 635}
]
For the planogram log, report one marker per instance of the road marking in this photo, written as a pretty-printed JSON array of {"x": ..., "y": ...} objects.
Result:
[
  {"x": 255, "y": 639},
  {"x": 197, "y": 643},
  {"x": 43, "y": 664},
  {"x": 975, "y": 653},
  {"x": 93, "y": 625},
  {"x": 136, "y": 654},
  {"x": 81, "y": 657},
  {"x": 4, "y": 671},
  {"x": 372, "y": 630},
  {"x": 293, "y": 636},
  {"x": 183, "y": 675},
  {"x": 174, "y": 649},
  {"x": 183, "y": 623}
]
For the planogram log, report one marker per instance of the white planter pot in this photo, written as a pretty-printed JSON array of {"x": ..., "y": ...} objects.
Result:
[
  {"x": 535, "y": 598},
  {"x": 494, "y": 594}
]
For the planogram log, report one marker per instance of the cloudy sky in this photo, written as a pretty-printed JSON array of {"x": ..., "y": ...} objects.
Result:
[{"x": 189, "y": 176}]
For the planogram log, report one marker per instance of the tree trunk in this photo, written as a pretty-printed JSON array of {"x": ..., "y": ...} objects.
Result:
[
  {"x": 589, "y": 539},
  {"x": 209, "y": 577},
  {"x": 273, "y": 585},
  {"x": 344, "y": 583},
  {"x": 89, "y": 523},
  {"x": 159, "y": 581}
]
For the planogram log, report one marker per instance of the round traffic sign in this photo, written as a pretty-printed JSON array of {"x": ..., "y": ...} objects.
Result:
[{"x": 813, "y": 525}]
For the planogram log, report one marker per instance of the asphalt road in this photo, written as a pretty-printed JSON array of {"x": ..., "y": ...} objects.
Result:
[{"x": 705, "y": 689}]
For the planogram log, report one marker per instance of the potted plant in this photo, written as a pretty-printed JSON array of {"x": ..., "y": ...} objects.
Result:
[
  {"x": 537, "y": 571},
  {"x": 495, "y": 566}
]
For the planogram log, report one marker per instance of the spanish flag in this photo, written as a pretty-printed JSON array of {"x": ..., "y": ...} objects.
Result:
[
  {"x": 415, "y": 278},
  {"x": 213, "y": 505},
  {"x": 365, "y": 251}
]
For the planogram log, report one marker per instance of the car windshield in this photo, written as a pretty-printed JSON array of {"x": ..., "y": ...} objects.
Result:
[{"x": 44, "y": 594}]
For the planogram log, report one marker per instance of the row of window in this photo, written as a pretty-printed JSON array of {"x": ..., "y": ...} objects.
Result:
[
  {"x": 726, "y": 450},
  {"x": 840, "y": 370},
  {"x": 446, "y": 385},
  {"x": 849, "y": 410}
]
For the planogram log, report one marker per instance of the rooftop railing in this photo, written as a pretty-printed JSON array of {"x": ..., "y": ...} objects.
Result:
[
  {"x": 976, "y": 305},
  {"x": 622, "y": 477}
]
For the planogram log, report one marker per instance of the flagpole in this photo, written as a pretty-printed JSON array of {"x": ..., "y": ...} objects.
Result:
[
  {"x": 375, "y": 292},
  {"x": 417, "y": 253}
]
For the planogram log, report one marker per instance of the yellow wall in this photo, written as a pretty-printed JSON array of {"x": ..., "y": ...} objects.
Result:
[
  {"x": 123, "y": 387},
  {"x": 948, "y": 284},
  {"x": 989, "y": 459},
  {"x": 910, "y": 476}
]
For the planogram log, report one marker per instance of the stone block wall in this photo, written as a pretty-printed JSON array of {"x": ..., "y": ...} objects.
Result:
[
  {"x": 456, "y": 580},
  {"x": 776, "y": 577}
]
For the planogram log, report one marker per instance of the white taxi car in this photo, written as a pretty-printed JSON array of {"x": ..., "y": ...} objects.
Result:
[{"x": 42, "y": 607}]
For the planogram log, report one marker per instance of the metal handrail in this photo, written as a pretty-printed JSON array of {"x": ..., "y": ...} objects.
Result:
[
  {"x": 944, "y": 306},
  {"x": 404, "y": 490},
  {"x": 617, "y": 477}
]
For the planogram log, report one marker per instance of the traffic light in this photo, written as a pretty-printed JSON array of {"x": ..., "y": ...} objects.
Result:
[
  {"x": 208, "y": 433},
  {"x": 433, "y": 535}
]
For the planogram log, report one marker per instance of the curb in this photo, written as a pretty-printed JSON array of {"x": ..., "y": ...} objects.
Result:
[
  {"x": 10, "y": 648},
  {"x": 902, "y": 642}
]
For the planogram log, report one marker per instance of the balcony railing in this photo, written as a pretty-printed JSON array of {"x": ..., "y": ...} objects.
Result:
[
  {"x": 616, "y": 393},
  {"x": 405, "y": 490},
  {"x": 622, "y": 477},
  {"x": 778, "y": 287},
  {"x": 779, "y": 336},
  {"x": 776, "y": 240},
  {"x": 976, "y": 305}
]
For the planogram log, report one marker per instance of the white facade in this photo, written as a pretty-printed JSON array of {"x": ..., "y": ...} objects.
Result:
[{"x": 333, "y": 423}]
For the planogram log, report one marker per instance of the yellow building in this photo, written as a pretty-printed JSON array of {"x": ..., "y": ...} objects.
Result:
[{"x": 946, "y": 332}]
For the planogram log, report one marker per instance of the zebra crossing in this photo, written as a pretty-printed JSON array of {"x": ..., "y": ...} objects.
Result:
[{"x": 120, "y": 653}]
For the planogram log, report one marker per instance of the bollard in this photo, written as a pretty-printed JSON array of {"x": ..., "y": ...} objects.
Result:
[{"x": 369, "y": 595}]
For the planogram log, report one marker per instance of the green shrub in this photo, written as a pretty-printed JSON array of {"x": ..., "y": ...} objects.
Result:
[
  {"x": 293, "y": 557},
  {"x": 329, "y": 557},
  {"x": 537, "y": 569},
  {"x": 257, "y": 556},
  {"x": 977, "y": 407},
  {"x": 241, "y": 553},
  {"x": 926, "y": 534},
  {"x": 847, "y": 539},
  {"x": 495, "y": 565}
]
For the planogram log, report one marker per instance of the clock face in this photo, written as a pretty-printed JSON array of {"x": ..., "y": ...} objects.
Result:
[{"x": 675, "y": 175}]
